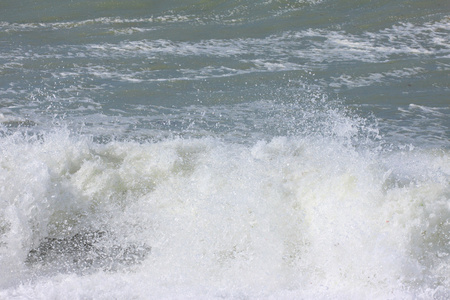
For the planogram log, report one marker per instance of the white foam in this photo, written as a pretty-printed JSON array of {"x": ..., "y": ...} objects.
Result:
[
  {"x": 288, "y": 51},
  {"x": 373, "y": 78},
  {"x": 18, "y": 27},
  {"x": 427, "y": 110},
  {"x": 292, "y": 216}
]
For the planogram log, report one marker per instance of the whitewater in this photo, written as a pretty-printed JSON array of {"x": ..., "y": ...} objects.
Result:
[{"x": 225, "y": 150}]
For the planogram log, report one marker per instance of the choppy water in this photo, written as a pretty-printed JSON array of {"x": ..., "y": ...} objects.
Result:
[{"x": 225, "y": 149}]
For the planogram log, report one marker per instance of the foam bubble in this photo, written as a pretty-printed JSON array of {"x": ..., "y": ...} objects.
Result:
[{"x": 298, "y": 215}]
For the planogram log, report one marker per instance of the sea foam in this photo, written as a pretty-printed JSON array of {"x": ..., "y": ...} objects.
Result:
[{"x": 214, "y": 218}]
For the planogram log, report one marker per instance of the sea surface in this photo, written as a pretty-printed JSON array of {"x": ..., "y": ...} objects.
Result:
[{"x": 227, "y": 149}]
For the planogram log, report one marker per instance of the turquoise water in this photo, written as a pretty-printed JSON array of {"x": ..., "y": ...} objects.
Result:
[{"x": 224, "y": 149}]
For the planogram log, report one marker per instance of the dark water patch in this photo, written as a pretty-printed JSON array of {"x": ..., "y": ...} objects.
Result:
[{"x": 85, "y": 252}]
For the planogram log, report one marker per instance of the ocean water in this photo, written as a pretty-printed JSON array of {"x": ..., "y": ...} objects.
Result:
[{"x": 228, "y": 149}]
